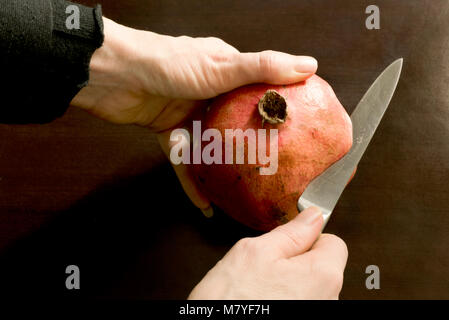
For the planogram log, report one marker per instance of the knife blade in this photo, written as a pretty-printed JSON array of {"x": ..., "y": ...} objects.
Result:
[{"x": 325, "y": 190}]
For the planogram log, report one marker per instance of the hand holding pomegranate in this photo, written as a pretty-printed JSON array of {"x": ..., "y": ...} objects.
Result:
[{"x": 157, "y": 81}]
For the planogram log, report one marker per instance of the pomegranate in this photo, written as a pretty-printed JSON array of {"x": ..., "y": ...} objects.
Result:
[{"x": 313, "y": 131}]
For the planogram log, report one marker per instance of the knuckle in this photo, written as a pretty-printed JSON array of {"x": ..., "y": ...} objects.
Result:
[
  {"x": 250, "y": 246},
  {"x": 212, "y": 42},
  {"x": 220, "y": 59},
  {"x": 266, "y": 61},
  {"x": 216, "y": 40},
  {"x": 184, "y": 38},
  {"x": 294, "y": 237}
]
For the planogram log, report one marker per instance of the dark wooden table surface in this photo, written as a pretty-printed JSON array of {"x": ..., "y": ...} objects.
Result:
[{"x": 102, "y": 196}]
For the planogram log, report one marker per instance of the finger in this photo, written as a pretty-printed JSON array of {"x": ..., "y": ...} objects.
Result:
[
  {"x": 192, "y": 191},
  {"x": 275, "y": 67},
  {"x": 328, "y": 249},
  {"x": 296, "y": 236},
  {"x": 185, "y": 177}
]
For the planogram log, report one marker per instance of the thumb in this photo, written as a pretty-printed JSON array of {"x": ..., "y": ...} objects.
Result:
[
  {"x": 296, "y": 236},
  {"x": 276, "y": 67}
]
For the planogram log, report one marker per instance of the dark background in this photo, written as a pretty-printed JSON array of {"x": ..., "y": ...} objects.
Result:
[{"x": 102, "y": 196}]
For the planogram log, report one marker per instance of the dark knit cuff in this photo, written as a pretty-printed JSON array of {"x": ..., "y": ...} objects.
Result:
[
  {"x": 45, "y": 54},
  {"x": 73, "y": 43}
]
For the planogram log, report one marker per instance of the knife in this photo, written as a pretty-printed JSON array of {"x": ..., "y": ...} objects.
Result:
[{"x": 325, "y": 190}]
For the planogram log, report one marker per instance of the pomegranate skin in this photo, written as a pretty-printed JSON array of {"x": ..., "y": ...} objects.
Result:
[{"x": 317, "y": 132}]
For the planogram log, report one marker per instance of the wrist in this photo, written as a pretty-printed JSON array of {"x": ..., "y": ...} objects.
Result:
[{"x": 112, "y": 66}]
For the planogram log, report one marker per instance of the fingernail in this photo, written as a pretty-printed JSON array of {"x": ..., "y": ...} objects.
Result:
[
  {"x": 306, "y": 65},
  {"x": 208, "y": 212},
  {"x": 310, "y": 215}
]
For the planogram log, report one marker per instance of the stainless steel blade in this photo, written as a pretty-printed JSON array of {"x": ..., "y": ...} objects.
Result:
[{"x": 325, "y": 190}]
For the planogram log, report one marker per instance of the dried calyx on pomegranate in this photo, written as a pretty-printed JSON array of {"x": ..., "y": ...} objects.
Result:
[{"x": 272, "y": 107}]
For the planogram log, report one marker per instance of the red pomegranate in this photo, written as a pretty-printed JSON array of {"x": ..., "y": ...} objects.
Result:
[{"x": 313, "y": 131}]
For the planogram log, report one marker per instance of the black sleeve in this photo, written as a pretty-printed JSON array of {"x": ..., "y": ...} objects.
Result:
[{"x": 44, "y": 57}]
